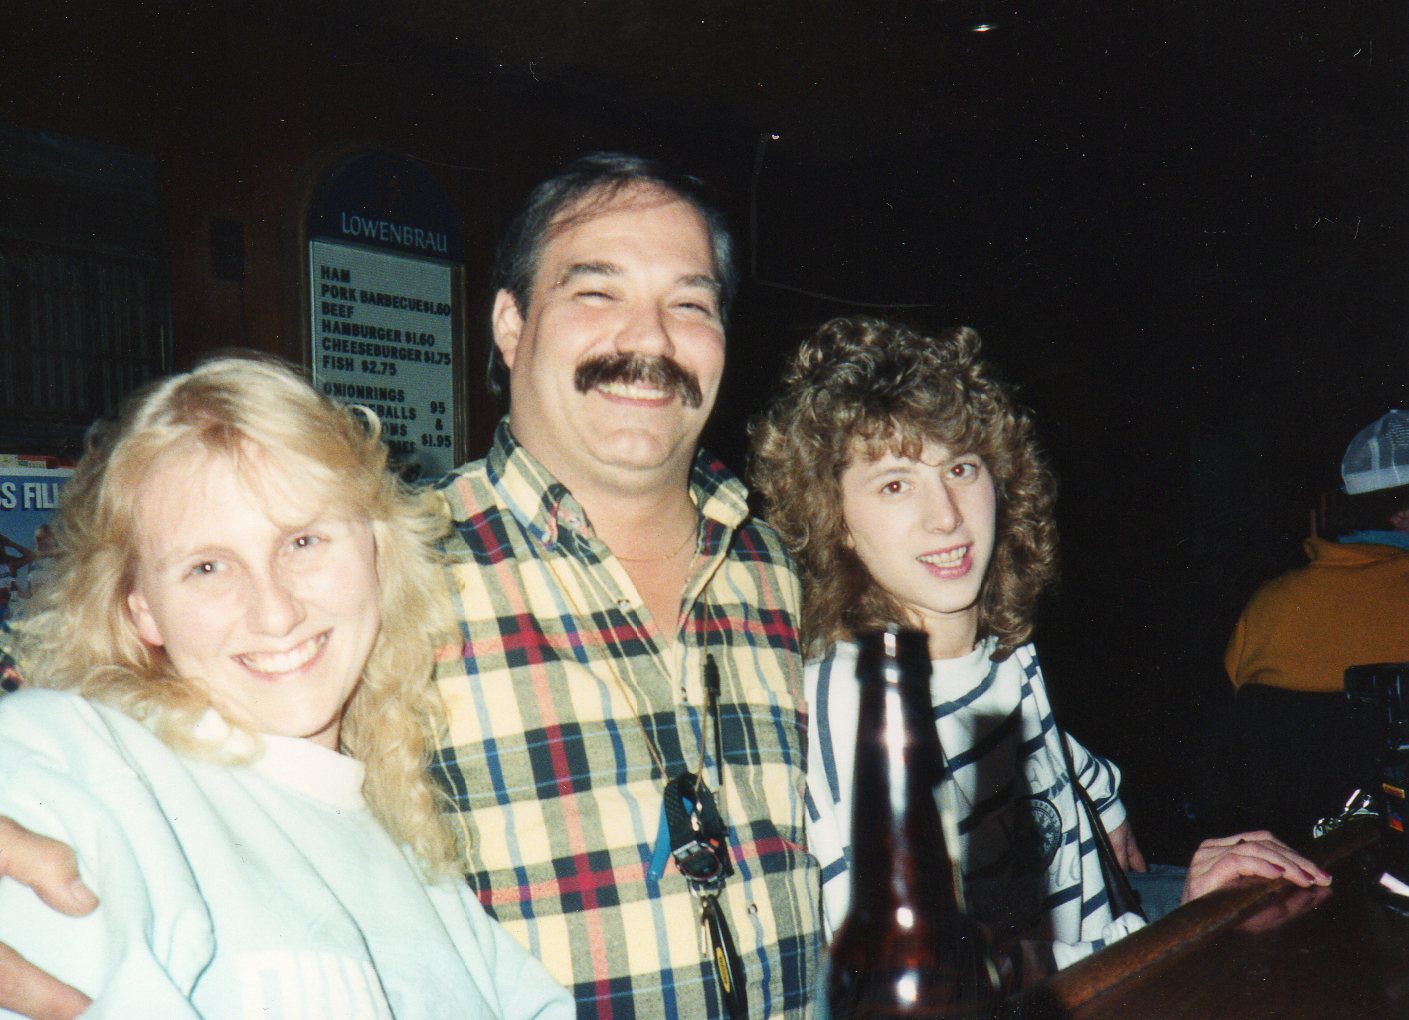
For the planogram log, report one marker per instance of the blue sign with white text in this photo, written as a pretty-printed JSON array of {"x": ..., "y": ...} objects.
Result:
[{"x": 387, "y": 202}]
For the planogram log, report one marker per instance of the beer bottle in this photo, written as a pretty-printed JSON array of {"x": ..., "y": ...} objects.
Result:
[{"x": 906, "y": 947}]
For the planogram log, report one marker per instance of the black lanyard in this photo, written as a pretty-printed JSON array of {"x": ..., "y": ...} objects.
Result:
[{"x": 699, "y": 842}]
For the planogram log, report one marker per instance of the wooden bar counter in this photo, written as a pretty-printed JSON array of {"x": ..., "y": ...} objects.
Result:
[{"x": 1264, "y": 949}]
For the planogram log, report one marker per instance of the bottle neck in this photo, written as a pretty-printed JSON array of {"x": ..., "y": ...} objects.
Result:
[{"x": 901, "y": 857}]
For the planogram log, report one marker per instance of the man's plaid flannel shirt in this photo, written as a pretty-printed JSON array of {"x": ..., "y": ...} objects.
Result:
[{"x": 556, "y": 701}]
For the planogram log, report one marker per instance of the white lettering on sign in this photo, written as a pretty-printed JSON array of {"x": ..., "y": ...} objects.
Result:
[
  {"x": 40, "y": 496},
  {"x": 395, "y": 233}
]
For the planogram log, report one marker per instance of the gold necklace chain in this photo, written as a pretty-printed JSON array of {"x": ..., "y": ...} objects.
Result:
[{"x": 692, "y": 533}]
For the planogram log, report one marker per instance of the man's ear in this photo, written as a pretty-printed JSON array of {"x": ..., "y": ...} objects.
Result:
[
  {"x": 507, "y": 322},
  {"x": 143, "y": 619}
]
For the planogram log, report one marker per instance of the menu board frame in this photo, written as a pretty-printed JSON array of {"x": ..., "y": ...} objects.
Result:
[{"x": 383, "y": 265}]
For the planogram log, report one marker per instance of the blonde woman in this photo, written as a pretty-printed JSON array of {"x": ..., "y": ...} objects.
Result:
[{"x": 237, "y": 645}]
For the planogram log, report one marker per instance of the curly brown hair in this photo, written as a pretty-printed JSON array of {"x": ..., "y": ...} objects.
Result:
[{"x": 864, "y": 387}]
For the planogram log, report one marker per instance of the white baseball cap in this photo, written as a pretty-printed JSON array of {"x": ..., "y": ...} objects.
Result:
[{"x": 1378, "y": 457}]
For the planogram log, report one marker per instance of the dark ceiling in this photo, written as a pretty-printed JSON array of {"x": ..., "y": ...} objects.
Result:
[
  {"x": 909, "y": 159},
  {"x": 757, "y": 60},
  {"x": 881, "y": 65}
]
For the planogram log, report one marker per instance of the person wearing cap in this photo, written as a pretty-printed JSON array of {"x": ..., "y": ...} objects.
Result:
[
  {"x": 1350, "y": 604},
  {"x": 1300, "y": 752}
]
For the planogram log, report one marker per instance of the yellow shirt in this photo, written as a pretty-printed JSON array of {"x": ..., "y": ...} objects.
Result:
[{"x": 1347, "y": 607}]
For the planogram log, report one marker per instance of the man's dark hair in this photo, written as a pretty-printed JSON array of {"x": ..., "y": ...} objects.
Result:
[{"x": 599, "y": 177}]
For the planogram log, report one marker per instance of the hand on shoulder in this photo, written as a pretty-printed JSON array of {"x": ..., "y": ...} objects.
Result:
[{"x": 46, "y": 866}]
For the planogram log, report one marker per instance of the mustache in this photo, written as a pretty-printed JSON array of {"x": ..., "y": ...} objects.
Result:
[{"x": 658, "y": 372}]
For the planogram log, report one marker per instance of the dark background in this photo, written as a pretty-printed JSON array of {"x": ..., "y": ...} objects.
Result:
[{"x": 1181, "y": 230}]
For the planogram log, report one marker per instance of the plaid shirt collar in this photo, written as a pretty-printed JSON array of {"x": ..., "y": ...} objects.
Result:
[{"x": 551, "y": 513}]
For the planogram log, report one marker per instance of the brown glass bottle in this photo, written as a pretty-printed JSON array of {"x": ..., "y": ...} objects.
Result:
[{"x": 906, "y": 948}]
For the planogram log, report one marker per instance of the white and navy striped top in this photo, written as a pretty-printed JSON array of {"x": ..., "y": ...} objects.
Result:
[{"x": 1025, "y": 848}]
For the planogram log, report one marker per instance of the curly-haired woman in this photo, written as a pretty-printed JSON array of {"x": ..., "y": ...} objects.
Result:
[{"x": 907, "y": 482}]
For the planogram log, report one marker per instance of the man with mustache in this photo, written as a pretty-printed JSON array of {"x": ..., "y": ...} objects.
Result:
[
  {"x": 603, "y": 568},
  {"x": 611, "y": 566}
]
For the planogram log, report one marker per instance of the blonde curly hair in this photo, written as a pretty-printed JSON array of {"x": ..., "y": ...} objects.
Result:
[
  {"x": 260, "y": 414},
  {"x": 861, "y": 387}
]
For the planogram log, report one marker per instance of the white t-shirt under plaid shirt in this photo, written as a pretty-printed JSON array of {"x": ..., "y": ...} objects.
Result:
[{"x": 563, "y": 709}]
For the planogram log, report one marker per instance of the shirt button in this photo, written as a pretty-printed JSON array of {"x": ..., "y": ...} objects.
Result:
[{"x": 753, "y": 908}]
